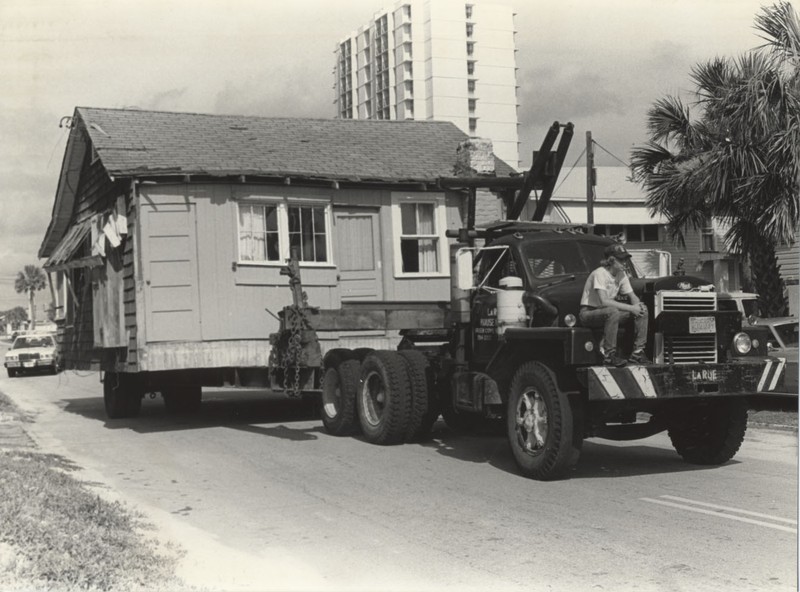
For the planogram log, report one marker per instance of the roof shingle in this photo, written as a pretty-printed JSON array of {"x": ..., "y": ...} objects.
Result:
[{"x": 133, "y": 142}]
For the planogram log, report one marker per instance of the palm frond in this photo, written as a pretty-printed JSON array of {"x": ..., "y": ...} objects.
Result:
[{"x": 780, "y": 28}]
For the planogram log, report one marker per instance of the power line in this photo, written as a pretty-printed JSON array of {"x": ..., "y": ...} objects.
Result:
[
  {"x": 570, "y": 170},
  {"x": 627, "y": 164}
]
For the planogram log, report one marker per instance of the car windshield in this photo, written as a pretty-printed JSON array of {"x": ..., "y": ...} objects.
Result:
[
  {"x": 24, "y": 342},
  {"x": 787, "y": 333},
  {"x": 557, "y": 258}
]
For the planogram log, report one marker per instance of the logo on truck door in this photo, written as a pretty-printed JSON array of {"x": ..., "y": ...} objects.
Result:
[{"x": 487, "y": 325}]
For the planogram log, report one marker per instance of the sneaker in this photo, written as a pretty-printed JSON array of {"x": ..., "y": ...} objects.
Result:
[
  {"x": 611, "y": 358},
  {"x": 639, "y": 357}
]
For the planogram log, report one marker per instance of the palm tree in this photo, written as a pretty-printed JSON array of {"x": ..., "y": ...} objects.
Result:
[
  {"x": 738, "y": 160},
  {"x": 29, "y": 280}
]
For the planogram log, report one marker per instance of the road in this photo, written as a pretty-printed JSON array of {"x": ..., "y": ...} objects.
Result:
[{"x": 262, "y": 498}]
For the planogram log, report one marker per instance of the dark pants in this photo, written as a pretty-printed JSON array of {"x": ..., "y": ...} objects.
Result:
[{"x": 609, "y": 319}]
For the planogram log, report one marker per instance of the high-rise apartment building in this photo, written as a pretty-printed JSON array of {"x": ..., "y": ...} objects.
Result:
[{"x": 435, "y": 59}]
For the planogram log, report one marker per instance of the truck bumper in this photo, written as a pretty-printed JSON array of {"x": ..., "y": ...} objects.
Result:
[{"x": 656, "y": 381}]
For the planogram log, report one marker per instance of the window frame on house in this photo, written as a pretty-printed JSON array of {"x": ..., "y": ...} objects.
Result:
[
  {"x": 624, "y": 230},
  {"x": 439, "y": 219},
  {"x": 708, "y": 239},
  {"x": 283, "y": 206}
]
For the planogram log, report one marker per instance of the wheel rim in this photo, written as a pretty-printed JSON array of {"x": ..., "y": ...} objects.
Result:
[
  {"x": 332, "y": 398},
  {"x": 531, "y": 422},
  {"x": 373, "y": 398}
]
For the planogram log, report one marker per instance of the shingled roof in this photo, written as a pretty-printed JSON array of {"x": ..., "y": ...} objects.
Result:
[{"x": 155, "y": 143}]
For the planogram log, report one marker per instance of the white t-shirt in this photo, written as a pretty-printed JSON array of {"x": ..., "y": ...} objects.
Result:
[{"x": 601, "y": 279}]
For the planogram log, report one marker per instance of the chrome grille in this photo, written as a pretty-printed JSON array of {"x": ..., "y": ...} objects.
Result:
[
  {"x": 25, "y": 357},
  {"x": 688, "y": 349},
  {"x": 691, "y": 349}
]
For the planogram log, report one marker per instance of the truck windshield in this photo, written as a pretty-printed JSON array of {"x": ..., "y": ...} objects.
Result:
[{"x": 548, "y": 259}]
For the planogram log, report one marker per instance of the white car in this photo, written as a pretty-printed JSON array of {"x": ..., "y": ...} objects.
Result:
[{"x": 33, "y": 352}]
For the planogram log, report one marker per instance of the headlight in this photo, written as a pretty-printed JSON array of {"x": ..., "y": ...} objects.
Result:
[{"x": 742, "y": 343}]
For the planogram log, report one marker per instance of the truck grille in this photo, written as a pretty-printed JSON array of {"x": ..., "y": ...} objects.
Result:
[
  {"x": 688, "y": 349},
  {"x": 691, "y": 349}
]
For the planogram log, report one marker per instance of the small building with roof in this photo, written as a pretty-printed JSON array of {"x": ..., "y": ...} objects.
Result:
[{"x": 169, "y": 230}]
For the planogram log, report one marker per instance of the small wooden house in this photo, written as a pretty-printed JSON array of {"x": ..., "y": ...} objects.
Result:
[{"x": 169, "y": 230}]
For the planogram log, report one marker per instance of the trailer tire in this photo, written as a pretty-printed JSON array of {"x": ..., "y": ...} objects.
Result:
[
  {"x": 122, "y": 395},
  {"x": 714, "y": 433},
  {"x": 384, "y": 398},
  {"x": 362, "y": 352},
  {"x": 339, "y": 390},
  {"x": 540, "y": 424},
  {"x": 424, "y": 404},
  {"x": 182, "y": 399}
]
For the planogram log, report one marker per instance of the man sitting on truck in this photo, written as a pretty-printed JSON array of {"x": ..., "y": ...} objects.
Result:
[{"x": 599, "y": 307}]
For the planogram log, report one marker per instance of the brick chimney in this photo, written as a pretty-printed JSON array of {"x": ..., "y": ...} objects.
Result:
[{"x": 474, "y": 157}]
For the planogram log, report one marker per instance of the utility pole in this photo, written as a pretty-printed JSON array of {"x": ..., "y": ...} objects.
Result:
[{"x": 591, "y": 180}]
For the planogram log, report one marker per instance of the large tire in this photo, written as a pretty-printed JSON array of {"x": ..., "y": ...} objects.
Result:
[
  {"x": 182, "y": 399},
  {"x": 540, "y": 424},
  {"x": 424, "y": 402},
  {"x": 384, "y": 398},
  {"x": 122, "y": 395},
  {"x": 710, "y": 434},
  {"x": 339, "y": 390}
]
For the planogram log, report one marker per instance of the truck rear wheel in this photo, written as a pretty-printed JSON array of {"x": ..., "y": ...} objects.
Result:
[
  {"x": 424, "y": 403},
  {"x": 710, "y": 434},
  {"x": 339, "y": 391},
  {"x": 182, "y": 399},
  {"x": 122, "y": 395},
  {"x": 540, "y": 424},
  {"x": 384, "y": 398}
]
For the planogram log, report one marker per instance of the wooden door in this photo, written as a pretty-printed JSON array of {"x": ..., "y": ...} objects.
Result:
[
  {"x": 169, "y": 257},
  {"x": 358, "y": 253}
]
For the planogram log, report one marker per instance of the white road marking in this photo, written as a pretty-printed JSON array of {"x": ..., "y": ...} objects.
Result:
[{"x": 718, "y": 512}]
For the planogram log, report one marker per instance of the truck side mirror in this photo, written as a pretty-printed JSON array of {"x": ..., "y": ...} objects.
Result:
[{"x": 464, "y": 263}]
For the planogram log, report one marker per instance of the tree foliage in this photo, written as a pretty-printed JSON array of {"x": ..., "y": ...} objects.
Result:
[
  {"x": 30, "y": 280},
  {"x": 736, "y": 157}
]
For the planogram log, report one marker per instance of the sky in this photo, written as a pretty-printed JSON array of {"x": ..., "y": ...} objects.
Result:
[{"x": 597, "y": 63}]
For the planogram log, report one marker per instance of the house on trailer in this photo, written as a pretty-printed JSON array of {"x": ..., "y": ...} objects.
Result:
[{"x": 169, "y": 230}]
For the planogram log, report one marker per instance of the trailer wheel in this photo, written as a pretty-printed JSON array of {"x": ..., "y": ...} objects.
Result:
[
  {"x": 710, "y": 434},
  {"x": 339, "y": 390},
  {"x": 424, "y": 402},
  {"x": 182, "y": 399},
  {"x": 122, "y": 395},
  {"x": 540, "y": 424},
  {"x": 384, "y": 398}
]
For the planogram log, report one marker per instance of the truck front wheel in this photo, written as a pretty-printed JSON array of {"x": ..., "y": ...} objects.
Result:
[
  {"x": 710, "y": 434},
  {"x": 384, "y": 398},
  {"x": 540, "y": 424},
  {"x": 122, "y": 395}
]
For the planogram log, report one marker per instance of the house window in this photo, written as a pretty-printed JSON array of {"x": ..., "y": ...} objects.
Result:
[
  {"x": 472, "y": 104},
  {"x": 470, "y": 29},
  {"x": 470, "y": 86},
  {"x": 473, "y": 125},
  {"x": 707, "y": 241},
  {"x": 470, "y": 67},
  {"x": 269, "y": 231},
  {"x": 468, "y": 10},
  {"x": 307, "y": 232},
  {"x": 419, "y": 225},
  {"x": 258, "y": 233},
  {"x": 470, "y": 48}
]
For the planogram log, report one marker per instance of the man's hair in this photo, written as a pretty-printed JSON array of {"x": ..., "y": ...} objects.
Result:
[{"x": 608, "y": 261}]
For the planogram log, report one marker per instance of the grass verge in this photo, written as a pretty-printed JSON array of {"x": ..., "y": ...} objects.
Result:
[{"x": 57, "y": 535}]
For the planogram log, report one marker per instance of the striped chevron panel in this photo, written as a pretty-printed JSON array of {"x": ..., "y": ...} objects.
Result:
[{"x": 649, "y": 382}]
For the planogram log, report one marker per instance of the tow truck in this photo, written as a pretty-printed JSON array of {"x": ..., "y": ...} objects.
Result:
[{"x": 508, "y": 348}]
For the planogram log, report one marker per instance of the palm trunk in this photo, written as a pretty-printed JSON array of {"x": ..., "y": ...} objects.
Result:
[
  {"x": 32, "y": 311},
  {"x": 767, "y": 278}
]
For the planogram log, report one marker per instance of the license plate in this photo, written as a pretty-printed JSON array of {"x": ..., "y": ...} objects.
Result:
[
  {"x": 28, "y": 364},
  {"x": 702, "y": 325}
]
